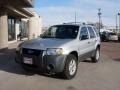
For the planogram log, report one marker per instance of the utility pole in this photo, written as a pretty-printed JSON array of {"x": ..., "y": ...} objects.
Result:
[
  {"x": 119, "y": 22},
  {"x": 99, "y": 15},
  {"x": 117, "y": 27},
  {"x": 75, "y": 18}
]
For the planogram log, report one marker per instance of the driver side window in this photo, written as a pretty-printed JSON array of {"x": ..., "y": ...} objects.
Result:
[{"x": 84, "y": 34}]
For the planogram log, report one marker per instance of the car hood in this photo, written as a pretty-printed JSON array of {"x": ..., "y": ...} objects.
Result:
[{"x": 43, "y": 44}]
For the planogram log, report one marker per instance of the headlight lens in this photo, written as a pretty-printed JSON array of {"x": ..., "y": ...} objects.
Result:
[{"x": 57, "y": 51}]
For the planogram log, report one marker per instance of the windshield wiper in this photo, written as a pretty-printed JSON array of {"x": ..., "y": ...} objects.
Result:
[
  {"x": 47, "y": 37},
  {"x": 60, "y": 37}
]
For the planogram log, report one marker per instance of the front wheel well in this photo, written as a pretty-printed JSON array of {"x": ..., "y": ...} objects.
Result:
[
  {"x": 75, "y": 53},
  {"x": 98, "y": 46}
]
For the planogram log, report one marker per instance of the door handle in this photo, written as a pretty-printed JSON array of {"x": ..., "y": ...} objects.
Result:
[
  {"x": 95, "y": 40},
  {"x": 89, "y": 42}
]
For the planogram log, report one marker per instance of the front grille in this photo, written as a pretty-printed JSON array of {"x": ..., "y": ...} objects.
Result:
[{"x": 31, "y": 52}]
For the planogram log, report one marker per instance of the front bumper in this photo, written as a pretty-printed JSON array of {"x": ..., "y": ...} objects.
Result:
[{"x": 46, "y": 63}]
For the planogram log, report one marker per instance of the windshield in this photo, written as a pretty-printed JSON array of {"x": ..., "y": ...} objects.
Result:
[
  {"x": 112, "y": 33},
  {"x": 61, "y": 31},
  {"x": 118, "y": 34}
]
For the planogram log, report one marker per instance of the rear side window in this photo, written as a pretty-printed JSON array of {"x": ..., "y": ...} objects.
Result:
[
  {"x": 84, "y": 34},
  {"x": 96, "y": 31},
  {"x": 91, "y": 31}
]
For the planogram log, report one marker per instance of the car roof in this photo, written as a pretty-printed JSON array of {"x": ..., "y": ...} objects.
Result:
[{"x": 75, "y": 24}]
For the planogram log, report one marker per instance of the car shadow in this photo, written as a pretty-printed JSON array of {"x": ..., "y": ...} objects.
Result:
[
  {"x": 118, "y": 59},
  {"x": 87, "y": 61},
  {"x": 8, "y": 64}
]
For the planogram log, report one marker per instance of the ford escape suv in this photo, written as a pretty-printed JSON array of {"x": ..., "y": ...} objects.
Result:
[{"x": 60, "y": 49}]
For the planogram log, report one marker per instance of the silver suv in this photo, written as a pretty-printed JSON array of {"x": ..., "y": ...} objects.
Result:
[{"x": 60, "y": 49}]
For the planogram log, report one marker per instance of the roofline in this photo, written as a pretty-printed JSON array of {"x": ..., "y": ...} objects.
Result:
[
  {"x": 23, "y": 12},
  {"x": 29, "y": 2}
]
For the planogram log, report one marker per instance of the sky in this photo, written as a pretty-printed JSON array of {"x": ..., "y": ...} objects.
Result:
[{"x": 61, "y": 11}]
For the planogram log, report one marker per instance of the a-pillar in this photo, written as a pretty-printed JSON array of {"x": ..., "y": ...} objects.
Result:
[{"x": 3, "y": 30}]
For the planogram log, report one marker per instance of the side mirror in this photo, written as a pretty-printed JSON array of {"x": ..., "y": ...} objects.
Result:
[{"x": 84, "y": 37}]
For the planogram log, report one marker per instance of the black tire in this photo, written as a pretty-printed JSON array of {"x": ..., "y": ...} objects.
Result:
[
  {"x": 95, "y": 59},
  {"x": 66, "y": 73}
]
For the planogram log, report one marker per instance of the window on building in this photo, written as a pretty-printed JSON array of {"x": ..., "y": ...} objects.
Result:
[
  {"x": 24, "y": 29},
  {"x": 11, "y": 29}
]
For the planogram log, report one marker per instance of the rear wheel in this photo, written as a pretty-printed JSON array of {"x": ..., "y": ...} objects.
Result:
[
  {"x": 96, "y": 56},
  {"x": 71, "y": 66}
]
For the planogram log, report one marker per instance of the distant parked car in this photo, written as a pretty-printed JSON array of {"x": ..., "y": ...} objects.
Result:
[
  {"x": 109, "y": 36},
  {"x": 112, "y": 36},
  {"x": 104, "y": 36},
  {"x": 119, "y": 36}
]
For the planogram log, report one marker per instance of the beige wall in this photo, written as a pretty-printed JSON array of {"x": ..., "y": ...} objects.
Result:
[
  {"x": 3, "y": 30},
  {"x": 35, "y": 26}
]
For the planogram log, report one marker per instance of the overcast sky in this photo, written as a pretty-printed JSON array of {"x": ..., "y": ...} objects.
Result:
[{"x": 60, "y": 11}]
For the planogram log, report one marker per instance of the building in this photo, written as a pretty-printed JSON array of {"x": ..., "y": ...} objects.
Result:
[{"x": 15, "y": 19}]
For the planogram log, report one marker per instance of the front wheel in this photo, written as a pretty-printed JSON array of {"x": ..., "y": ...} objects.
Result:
[
  {"x": 96, "y": 56},
  {"x": 71, "y": 66}
]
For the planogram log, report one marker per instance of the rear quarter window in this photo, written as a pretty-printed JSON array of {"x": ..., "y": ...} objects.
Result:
[
  {"x": 96, "y": 31},
  {"x": 92, "y": 32}
]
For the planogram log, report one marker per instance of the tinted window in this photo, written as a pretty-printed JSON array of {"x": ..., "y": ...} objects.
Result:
[
  {"x": 92, "y": 33},
  {"x": 62, "y": 31},
  {"x": 11, "y": 28},
  {"x": 118, "y": 34},
  {"x": 84, "y": 34},
  {"x": 96, "y": 31},
  {"x": 112, "y": 33}
]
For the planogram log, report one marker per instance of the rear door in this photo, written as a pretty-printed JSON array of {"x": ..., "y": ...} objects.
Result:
[{"x": 93, "y": 38}]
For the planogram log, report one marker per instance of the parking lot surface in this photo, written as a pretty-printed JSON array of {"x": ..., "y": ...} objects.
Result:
[
  {"x": 104, "y": 75},
  {"x": 111, "y": 50}
]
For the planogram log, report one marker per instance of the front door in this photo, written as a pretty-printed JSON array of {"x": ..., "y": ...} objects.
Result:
[{"x": 83, "y": 43}]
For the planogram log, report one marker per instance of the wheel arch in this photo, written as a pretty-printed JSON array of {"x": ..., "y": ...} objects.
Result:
[
  {"x": 74, "y": 53},
  {"x": 98, "y": 46}
]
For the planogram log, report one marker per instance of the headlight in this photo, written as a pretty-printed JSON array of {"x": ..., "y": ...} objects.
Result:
[{"x": 57, "y": 51}]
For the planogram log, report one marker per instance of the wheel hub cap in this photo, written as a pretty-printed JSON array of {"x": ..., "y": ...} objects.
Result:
[
  {"x": 72, "y": 67},
  {"x": 97, "y": 55}
]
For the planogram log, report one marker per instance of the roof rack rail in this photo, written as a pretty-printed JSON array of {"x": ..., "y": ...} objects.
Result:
[
  {"x": 91, "y": 24},
  {"x": 76, "y": 23}
]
